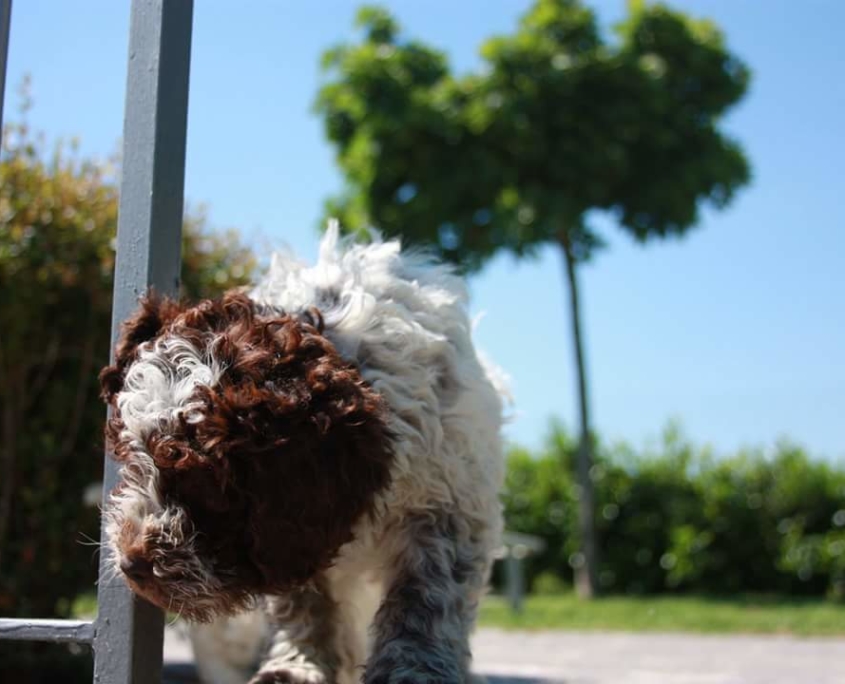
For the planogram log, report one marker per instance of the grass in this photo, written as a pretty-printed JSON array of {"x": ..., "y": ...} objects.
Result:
[
  {"x": 743, "y": 614},
  {"x": 756, "y": 615}
]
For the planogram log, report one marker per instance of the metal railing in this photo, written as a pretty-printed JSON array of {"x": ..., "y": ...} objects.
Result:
[{"x": 127, "y": 634}]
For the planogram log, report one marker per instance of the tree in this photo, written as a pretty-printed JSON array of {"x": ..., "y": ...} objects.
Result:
[
  {"x": 58, "y": 219},
  {"x": 560, "y": 123}
]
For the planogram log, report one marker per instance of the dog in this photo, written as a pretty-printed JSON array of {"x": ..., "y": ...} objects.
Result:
[{"x": 327, "y": 444}]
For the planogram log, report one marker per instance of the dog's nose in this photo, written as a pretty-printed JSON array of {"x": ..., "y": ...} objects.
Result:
[{"x": 137, "y": 568}]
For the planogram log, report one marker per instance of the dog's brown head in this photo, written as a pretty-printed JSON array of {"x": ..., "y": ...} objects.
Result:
[{"x": 249, "y": 448}]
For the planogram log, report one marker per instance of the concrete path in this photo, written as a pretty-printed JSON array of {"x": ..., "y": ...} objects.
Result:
[{"x": 613, "y": 658}]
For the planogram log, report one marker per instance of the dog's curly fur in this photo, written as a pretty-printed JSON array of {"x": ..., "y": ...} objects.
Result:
[{"x": 330, "y": 441}]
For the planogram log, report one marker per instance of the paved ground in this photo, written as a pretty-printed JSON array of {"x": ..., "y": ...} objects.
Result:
[{"x": 576, "y": 658}]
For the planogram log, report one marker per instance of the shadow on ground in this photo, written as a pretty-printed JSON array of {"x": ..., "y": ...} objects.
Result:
[{"x": 184, "y": 673}]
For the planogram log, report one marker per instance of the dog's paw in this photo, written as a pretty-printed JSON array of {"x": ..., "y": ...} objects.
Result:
[{"x": 290, "y": 674}]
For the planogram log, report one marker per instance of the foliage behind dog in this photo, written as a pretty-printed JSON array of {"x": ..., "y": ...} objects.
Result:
[
  {"x": 58, "y": 224},
  {"x": 677, "y": 518}
]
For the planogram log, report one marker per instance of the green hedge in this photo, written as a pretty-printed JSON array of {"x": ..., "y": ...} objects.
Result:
[
  {"x": 677, "y": 518},
  {"x": 58, "y": 219}
]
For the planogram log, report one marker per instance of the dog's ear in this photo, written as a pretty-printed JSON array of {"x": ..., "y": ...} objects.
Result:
[
  {"x": 153, "y": 314},
  {"x": 335, "y": 460}
]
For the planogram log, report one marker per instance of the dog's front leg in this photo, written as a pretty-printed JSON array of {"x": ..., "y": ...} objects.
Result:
[
  {"x": 435, "y": 579},
  {"x": 303, "y": 650}
]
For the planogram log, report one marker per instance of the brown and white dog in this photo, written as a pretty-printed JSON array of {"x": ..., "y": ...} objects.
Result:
[{"x": 330, "y": 443}]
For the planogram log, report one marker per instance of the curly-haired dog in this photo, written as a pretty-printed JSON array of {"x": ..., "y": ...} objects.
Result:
[{"x": 330, "y": 441}]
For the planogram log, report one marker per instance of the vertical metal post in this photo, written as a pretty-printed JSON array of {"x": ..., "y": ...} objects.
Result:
[
  {"x": 515, "y": 581},
  {"x": 5, "y": 24},
  {"x": 129, "y": 633}
]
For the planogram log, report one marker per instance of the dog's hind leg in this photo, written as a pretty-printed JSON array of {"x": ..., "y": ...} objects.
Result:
[
  {"x": 437, "y": 572},
  {"x": 303, "y": 650}
]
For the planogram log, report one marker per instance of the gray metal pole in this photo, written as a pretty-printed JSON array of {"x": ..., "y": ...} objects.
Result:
[
  {"x": 128, "y": 640},
  {"x": 5, "y": 24},
  {"x": 515, "y": 580}
]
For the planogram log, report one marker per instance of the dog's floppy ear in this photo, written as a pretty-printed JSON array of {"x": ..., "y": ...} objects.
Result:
[
  {"x": 337, "y": 457},
  {"x": 153, "y": 314}
]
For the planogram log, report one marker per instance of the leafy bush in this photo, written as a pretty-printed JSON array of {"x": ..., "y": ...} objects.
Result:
[
  {"x": 679, "y": 519},
  {"x": 58, "y": 218}
]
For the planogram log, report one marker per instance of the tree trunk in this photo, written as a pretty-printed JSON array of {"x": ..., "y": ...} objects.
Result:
[{"x": 586, "y": 572}]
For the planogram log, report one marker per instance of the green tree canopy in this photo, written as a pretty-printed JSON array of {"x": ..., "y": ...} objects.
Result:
[{"x": 559, "y": 122}]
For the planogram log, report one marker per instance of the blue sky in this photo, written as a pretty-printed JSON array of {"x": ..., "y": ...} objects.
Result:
[{"x": 738, "y": 330}]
